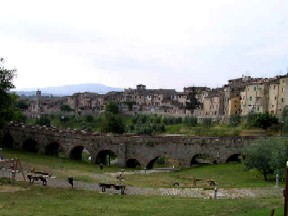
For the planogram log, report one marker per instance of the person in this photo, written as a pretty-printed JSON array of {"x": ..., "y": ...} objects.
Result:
[
  {"x": 101, "y": 167},
  {"x": 70, "y": 180}
]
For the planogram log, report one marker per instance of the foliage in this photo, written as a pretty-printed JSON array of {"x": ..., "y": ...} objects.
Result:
[
  {"x": 65, "y": 108},
  {"x": 43, "y": 121},
  {"x": 258, "y": 156},
  {"x": 190, "y": 121},
  {"x": 146, "y": 124},
  {"x": 207, "y": 122},
  {"x": 22, "y": 105},
  {"x": 285, "y": 120},
  {"x": 7, "y": 100},
  {"x": 112, "y": 107},
  {"x": 265, "y": 120},
  {"x": 261, "y": 120},
  {"x": 192, "y": 102},
  {"x": 112, "y": 123},
  {"x": 267, "y": 155},
  {"x": 18, "y": 116},
  {"x": 250, "y": 119},
  {"x": 235, "y": 120},
  {"x": 89, "y": 118},
  {"x": 279, "y": 155}
]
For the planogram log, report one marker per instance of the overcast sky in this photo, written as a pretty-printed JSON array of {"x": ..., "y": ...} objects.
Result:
[{"x": 162, "y": 44}]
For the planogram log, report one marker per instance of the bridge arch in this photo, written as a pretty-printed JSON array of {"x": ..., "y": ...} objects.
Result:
[
  {"x": 106, "y": 157},
  {"x": 30, "y": 145},
  {"x": 79, "y": 152},
  {"x": 163, "y": 161},
  {"x": 52, "y": 149},
  {"x": 199, "y": 159},
  {"x": 132, "y": 163},
  {"x": 234, "y": 158},
  {"x": 8, "y": 140}
]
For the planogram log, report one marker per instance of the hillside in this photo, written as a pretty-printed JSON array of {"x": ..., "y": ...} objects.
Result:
[{"x": 67, "y": 90}]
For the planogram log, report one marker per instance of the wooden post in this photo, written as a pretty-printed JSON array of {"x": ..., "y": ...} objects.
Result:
[
  {"x": 286, "y": 190},
  {"x": 21, "y": 169}
]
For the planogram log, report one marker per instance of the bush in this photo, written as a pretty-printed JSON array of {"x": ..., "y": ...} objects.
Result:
[
  {"x": 43, "y": 121},
  {"x": 235, "y": 120},
  {"x": 207, "y": 122}
]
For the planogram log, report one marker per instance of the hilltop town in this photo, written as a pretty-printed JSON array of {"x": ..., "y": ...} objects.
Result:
[{"x": 239, "y": 96}]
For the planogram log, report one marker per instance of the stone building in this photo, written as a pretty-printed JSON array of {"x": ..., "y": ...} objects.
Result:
[
  {"x": 278, "y": 95},
  {"x": 232, "y": 91},
  {"x": 254, "y": 98},
  {"x": 214, "y": 103}
]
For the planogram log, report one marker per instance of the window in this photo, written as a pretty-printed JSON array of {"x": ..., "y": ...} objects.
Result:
[
  {"x": 254, "y": 88},
  {"x": 250, "y": 98},
  {"x": 282, "y": 99},
  {"x": 275, "y": 98},
  {"x": 282, "y": 89}
]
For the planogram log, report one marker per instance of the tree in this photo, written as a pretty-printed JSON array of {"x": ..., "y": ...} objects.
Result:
[
  {"x": 112, "y": 123},
  {"x": 235, "y": 120},
  {"x": 112, "y": 107},
  {"x": 43, "y": 121},
  {"x": 192, "y": 102},
  {"x": 191, "y": 121},
  {"x": 265, "y": 120},
  {"x": 7, "y": 101},
  {"x": 207, "y": 122},
  {"x": 22, "y": 105},
  {"x": 65, "y": 108},
  {"x": 261, "y": 120},
  {"x": 279, "y": 155},
  {"x": 258, "y": 156},
  {"x": 285, "y": 120},
  {"x": 89, "y": 118}
]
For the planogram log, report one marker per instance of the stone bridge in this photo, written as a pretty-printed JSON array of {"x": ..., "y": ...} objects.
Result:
[{"x": 130, "y": 150}]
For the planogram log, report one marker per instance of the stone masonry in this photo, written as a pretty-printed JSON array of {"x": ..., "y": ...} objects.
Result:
[{"x": 142, "y": 149}]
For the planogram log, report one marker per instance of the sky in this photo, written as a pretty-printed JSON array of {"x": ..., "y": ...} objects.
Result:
[{"x": 159, "y": 43}]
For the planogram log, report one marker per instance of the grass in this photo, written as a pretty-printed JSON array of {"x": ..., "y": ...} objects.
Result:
[
  {"x": 38, "y": 200},
  {"x": 49, "y": 201},
  {"x": 226, "y": 175}
]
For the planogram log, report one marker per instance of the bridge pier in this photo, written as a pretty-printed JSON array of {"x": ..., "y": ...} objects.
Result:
[{"x": 122, "y": 155}]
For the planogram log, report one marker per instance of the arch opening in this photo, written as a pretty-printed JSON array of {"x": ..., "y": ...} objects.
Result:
[
  {"x": 235, "y": 158},
  {"x": 202, "y": 159},
  {"x": 106, "y": 157},
  {"x": 79, "y": 153},
  {"x": 8, "y": 140},
  {"x": 52, "y": 149},
  {"x": 30, "y": 145},
  {"x": 133, "y": 163},
  {"x": 163, "y": 161}
]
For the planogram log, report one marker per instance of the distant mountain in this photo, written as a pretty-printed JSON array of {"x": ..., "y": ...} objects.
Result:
[{"x": 67, "y": 90}]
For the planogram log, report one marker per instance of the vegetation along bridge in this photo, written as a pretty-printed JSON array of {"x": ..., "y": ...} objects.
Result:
[{"x": 127, "y": 150}]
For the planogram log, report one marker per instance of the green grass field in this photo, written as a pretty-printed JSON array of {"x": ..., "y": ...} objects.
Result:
[
  {"x": 47, "y": 201},
  {"x": 38, "y": 200}
]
